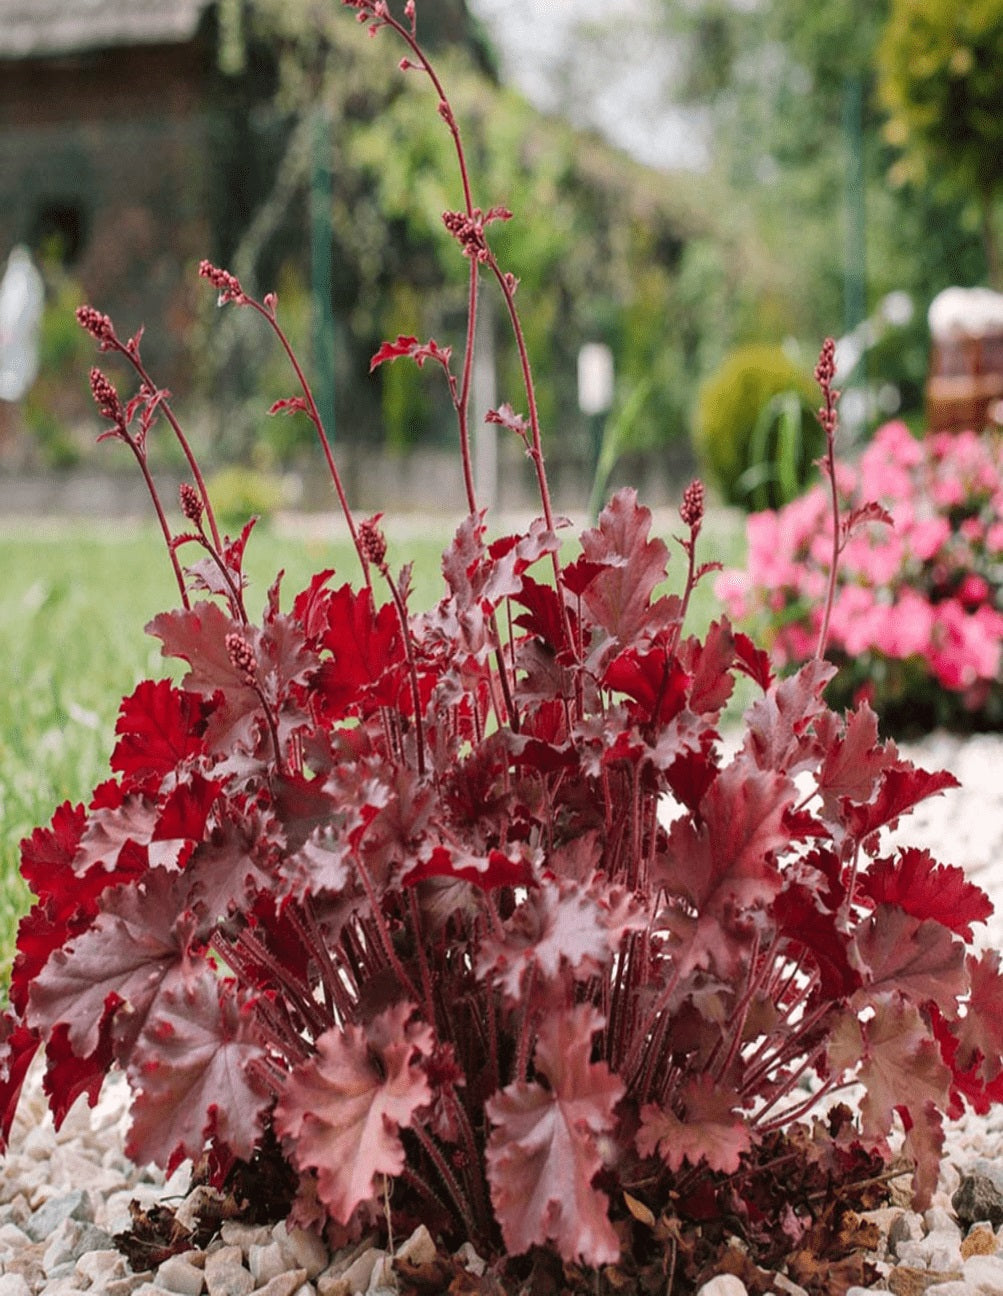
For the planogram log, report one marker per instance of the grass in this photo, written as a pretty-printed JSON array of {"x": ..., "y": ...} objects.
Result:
[{"x": 73, "y": 604}]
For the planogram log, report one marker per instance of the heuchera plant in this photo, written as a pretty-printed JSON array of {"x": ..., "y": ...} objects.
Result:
[
  {"x": 464, "y": 916},
  {"x": 917, "y": 622}
]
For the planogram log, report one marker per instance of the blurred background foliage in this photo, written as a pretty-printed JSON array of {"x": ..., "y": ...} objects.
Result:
[{"x": 853, "y": 151}]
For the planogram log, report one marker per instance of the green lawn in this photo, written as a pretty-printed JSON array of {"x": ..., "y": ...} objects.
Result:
[{"x": 73, "y": 604}]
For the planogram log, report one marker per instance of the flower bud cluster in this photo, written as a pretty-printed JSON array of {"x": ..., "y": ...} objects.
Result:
[
  {"x": 227, "y": 283},
  {"x": 241, "y": 656},
  {"x": 691, "y": 510},
  {"x": 191, "y": 502},
  {"x": 373, "y": 542},
  {"x": 106, "y": 398},
  {"x": 99, "y": 326}
]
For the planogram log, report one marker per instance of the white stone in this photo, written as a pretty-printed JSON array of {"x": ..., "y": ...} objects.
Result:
[
  {"x": 181, "y": 1276},
  {"x": 12, "y": 1236},
  {"x": 470, "y": 1260},
  {"x": 303, "y": 1249},
  {"x": 724, "y": 1285},
  {"x": 353, "y": 1278},
  {"x": 940, "y": 1251},
  {"x": 984, "y": 1273},
  {"x": 266, "y": 1262},
  {"x": 100, "y": 1267},
  {"x": 245, "y": 1235},
  {"x": 419, "y": 1249},
  {"x": 61, "y": 1244},
  {"x": 14, "y": 1284}
]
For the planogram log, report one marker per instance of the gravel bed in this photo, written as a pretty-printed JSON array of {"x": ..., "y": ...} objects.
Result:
[{"x": 64, "y": 1195}]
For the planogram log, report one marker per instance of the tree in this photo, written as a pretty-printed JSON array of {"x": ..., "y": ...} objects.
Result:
[{"x": 939, "y": 67}]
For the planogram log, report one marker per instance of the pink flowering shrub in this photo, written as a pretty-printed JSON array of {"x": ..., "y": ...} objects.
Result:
[
  {"x": 463, "y": 916},
  {"x": 917, "y": 622}
]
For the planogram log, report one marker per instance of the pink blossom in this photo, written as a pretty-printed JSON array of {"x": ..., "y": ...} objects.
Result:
[
  {"x": 966, "y": 647},
  {"x": 927, "y": 536},
  {"x": 973, "y": 590}
]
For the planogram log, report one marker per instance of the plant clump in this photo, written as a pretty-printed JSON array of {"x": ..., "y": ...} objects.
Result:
[
  {"x": 465, "y": 916},
  {"x": 755, "y": 431},
  {"x": 917, "y": 620}
]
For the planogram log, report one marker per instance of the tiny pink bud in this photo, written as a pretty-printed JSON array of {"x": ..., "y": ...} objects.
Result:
[
  {"x": 228, "y": 284},
  {"x": 191, "y": 502},
  {"x": 691, "y": 510},
  {"x": 405, "y": 65},
  {"x": 97, "y": 325},
  {"x": 373, "y": 542},
  {"x": 106, "y": 398},
  {"x": 241, "y": 656}
]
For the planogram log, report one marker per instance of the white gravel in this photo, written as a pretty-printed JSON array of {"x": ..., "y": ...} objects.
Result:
[{"x": 63, "y": 1195}]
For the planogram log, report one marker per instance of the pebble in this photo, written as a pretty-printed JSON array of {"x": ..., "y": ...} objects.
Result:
[{"x": 63, "y": 1195}]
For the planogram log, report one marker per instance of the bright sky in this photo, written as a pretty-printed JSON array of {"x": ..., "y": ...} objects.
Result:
[{"x": 601, "y": 81}]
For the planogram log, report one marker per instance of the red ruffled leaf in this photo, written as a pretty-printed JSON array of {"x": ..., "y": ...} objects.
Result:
[
  {"x": 189, "y": 1074},
  {"x": 343, "y": 1108},
  {"x": 902, "y": 787},
  {"x": 633, "y": 565},
  {"x": 419, "y": 352},
  {"x": 542, "y": 1154},
  {"x": 922, "y": 887},
  {"x": 657, "y": 685},
  {"x": 980, "y": 1030},
  {"x": 367, "y": 655},
  {"x": 895, "y": 1058},
  {"x": 778, "y": 725},
  {"x": 904, "y": 955},
  {"x": 118, "y": 966},
  {"x": 290, "y": 405},
  {"x": 159, "y": 726},
  {"x": 710, "y": 1129}
]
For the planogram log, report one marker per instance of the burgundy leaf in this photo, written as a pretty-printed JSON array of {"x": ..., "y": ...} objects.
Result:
[
  {"x": 110, "y": 829},
  {"x": 344, "y": 1107},
  {"x": 620, "y": 596},
  {"x": 898, "y": 1062},
  {"x": 557, "y": 927},
  {"x": 189, "y": 1074},
  {"x": 227, "y": 868},
  {"x": 810, "y": 926},
  {"x": 367, "y": 654},
  {"x": 419, "y": 352},
  {"x": 496, "y": 869},
  {"x": 506, "y": 417},
  {"x": 657, "y": 685},
  {"x": 778, "y": 725},
  {"x": 922, "y": 887},
  {"x": 132, "y": 952},
  {"x": 902, "y": 787},
  {"x": 290, "y": 405},
  {"x": 898, "y": 953},
  {"x": 980, "y": 1030},
  {"x": 159, "y": 726},
  {"x": 728, "y": 851},
  {"x": 854, "y": 762},
  {"x": 712, "y": 682},
  {"x": 753, "y": 661},
  {"x": 543, "y": 1151},
  {"x": 710, "y": 1129},
  {"x": 18, "y": 1046}
]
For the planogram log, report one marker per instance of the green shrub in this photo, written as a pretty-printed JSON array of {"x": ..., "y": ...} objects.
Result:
[
  {"x": 755, "y": 433},
  {"x": 238, "y": 492}
]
